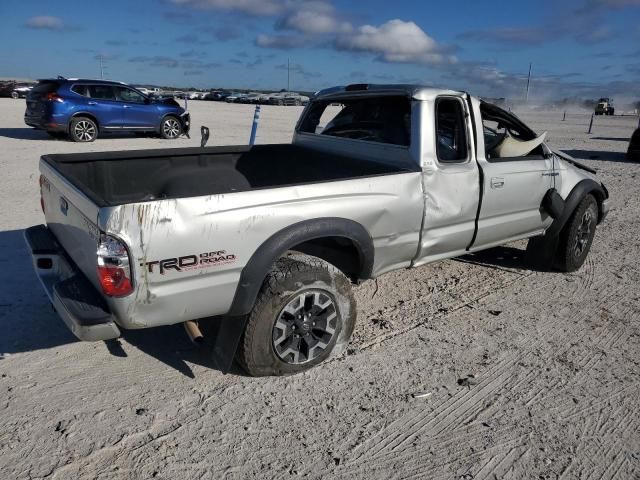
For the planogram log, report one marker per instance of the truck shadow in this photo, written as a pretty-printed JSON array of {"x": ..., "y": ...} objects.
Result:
[
  {"x": 504, "y": 257},
  {"x": 171, "y": 346},
  {"x": 616, "y": 157},
  {"x": 28, "y": 322}
]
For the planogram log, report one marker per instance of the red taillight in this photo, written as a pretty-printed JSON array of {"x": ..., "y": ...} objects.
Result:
[
  {"x": 114, "y": 271},
  {"x": 54, "y": 97},
  {"x": 114, "y": 281}
]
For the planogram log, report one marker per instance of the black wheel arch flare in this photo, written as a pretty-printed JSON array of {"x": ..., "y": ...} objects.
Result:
[
  {"x": 577, "y": 194},
  {"x": 256, "y": 269}
]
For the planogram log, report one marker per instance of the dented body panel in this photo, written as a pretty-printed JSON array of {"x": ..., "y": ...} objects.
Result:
[
  {"x": 188, "y": 254},
  {"x": 202, "y": 244}
]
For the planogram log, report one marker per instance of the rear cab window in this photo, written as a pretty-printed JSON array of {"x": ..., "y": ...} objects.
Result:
[{"x": 385, "y": 119}]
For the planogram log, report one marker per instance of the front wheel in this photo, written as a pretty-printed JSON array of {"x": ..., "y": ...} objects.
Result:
[
  {"x": 171, "y": 128},
  {"x": 577, "y": 236},
  {"x": 305, "y": 310}
]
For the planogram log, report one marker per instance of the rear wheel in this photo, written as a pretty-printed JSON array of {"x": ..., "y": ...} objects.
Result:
[
  {"x": 171, "y": 128},
  {"x": 15, "y": 95},
  {"x": 577, "y": 236},
  {"x": 83, "y": 129},
  {"x": 305, "y": 310}
]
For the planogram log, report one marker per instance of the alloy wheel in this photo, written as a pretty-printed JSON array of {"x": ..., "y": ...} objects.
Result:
[
  {"x": 305, "y": 327},
  {"x": 171, "y": 128},
  {"x": 84, "y": 130},
  {"x": 583, "y": 234}
]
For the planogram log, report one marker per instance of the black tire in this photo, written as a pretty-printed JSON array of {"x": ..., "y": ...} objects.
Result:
[
  {"x": 577, "y": 235},
  {"x": 305, "y": 311},
  {"x": 15, "y": 95},
  {"x": 83, "y": 129},
  {"x": 170, "y": 128}
]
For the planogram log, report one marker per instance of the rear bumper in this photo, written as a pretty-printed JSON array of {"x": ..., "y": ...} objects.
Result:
[
  {"x": 75, "y": 299},
  {"x": 45, "y": 124}
]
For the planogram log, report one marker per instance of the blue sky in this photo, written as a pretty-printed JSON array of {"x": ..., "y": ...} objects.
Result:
[{"x": 577, "y": 47}]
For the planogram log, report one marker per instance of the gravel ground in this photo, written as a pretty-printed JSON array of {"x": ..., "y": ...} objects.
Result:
[{"x": 471, "y": 368}]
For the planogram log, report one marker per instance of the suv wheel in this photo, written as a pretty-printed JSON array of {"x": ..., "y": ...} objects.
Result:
[
  {"x": 577, "y": 235},
  {"x": 305, "y": 310},
  {"x": 83, "y": 129},
  {"x": 171, "y": 128}
]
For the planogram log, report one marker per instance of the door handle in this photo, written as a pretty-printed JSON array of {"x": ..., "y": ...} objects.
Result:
[
  {"x": 497, "y": 182},
  {"x": 91, "y": 103},
  {"x": 126, "y": 106}
]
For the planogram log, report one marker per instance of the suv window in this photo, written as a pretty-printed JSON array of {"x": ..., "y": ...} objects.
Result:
[
  {"x": 80, "y": 90},
  {"x": 102, "y": 92},
  {"x": 125, "y": 94},
  {"x": 451, "y": 131},
  {"x": 380, "y": 119},
  {"x": 46, "y": 87}
]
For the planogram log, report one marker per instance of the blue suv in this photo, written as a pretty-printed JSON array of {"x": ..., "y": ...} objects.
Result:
[{"x": 82, "y": 109}]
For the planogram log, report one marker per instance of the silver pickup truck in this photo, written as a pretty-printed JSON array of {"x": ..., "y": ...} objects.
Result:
[{"x": 264, "y": 242}]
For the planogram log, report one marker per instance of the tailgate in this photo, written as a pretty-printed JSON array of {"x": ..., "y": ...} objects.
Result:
[{"x": 72, "y": 217}]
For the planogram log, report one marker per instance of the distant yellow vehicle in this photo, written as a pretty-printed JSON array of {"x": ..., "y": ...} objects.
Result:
[{"x": 605, "y": 107}]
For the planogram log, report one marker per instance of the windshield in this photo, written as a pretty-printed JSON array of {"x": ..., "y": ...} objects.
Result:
[{"x": 374, "y": 119}]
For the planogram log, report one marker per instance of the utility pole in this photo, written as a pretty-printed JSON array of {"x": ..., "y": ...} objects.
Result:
[
  {"x": 526, "y": 98},
  {"x": 101, "y": 67},
  {"x": 288, "y": 75}
]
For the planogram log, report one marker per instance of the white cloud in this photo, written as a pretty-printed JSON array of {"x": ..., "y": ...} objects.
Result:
[
  {"x": 45, "y": 22},
  {"x": 395, "y": 41},
  {"x": 314, "y": 17}
]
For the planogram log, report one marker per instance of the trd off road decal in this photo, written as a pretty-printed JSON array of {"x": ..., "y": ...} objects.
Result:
[{"x": 190, "y": 262}]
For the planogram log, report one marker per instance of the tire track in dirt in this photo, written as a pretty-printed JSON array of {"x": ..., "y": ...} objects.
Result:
[{"x": 446, "y": 416}]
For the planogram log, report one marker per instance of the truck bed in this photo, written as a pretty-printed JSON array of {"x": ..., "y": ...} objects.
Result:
[{"x": 115, "y": 178}]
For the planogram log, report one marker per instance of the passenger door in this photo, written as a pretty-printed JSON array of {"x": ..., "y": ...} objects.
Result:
[
  {"x": 513, "y": 187},
  {"x": 451, "y": 182},
  {"x": 102, "y": 104},
  {"x": 139, "y": 114}
]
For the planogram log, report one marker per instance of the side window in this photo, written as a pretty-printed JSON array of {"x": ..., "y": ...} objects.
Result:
[
  {"x": 101, "y": 92},
  {"x": 127, "y": 95},
  {"x": 376, "y": 119},
  {"x": 80, "y": 90},
  {"x": 451, "y": 131},
  {"x": 506, "y": 138}
]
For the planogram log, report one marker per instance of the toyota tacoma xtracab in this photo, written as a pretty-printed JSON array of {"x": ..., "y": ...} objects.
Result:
[{"x": 266, "y": 241}]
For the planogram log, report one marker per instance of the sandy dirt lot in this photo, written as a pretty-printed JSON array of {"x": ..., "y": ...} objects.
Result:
[{"x": 554, "y": 357}]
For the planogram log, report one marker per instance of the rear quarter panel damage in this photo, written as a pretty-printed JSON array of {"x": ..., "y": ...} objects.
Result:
[{"x": 188, "y": 253}]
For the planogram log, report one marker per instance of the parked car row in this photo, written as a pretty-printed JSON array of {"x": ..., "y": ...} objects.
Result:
[
  {"x": 258, "y": 98},
  {"x": 14, "y": 90}
]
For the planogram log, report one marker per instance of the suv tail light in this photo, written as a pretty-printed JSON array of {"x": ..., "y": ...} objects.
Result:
[
  {"x": 114, "y": 270},
  {"x": 54, "y": 97}
]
